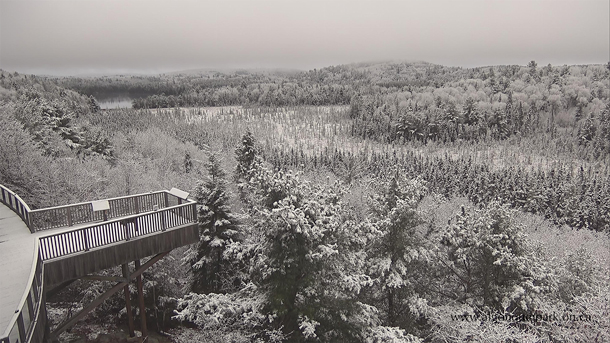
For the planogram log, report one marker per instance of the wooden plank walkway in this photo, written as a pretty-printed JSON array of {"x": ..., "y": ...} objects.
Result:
[{"x": 17, "y": 247}]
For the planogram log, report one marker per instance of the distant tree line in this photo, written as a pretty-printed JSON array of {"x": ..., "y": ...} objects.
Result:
[{"x": 392, "y": 102}]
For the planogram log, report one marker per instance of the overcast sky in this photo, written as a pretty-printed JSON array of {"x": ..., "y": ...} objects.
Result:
[{"x": 96, "y": 36}]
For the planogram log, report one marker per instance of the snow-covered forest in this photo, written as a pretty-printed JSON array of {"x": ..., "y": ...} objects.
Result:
[{"x": 374, "y": 202}]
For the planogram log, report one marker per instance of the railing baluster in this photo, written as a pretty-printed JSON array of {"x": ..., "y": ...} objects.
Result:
[
  {"x": 64, "y": 245},
  {"x": 30, "y": 304},
  {"x": 102, "y": 234},
  {"x": 85, "y": 239}
]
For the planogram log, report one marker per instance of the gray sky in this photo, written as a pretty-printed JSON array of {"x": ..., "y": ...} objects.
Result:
[{"x": 96, "y": 36}]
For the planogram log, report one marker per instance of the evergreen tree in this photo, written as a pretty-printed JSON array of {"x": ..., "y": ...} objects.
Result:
[
  {"x": 93, "y": 105},
  {"x": 246, "y": 155},
  {"x": 586, "y": 133},
  {"x": 602, "y": 140},
  {"x": 469, "y": 112},
  {"x": 305, "y": 262},
  {"x": 396, "y": 254},
  {"x": 218, "y": 228},
  {"x": 188, "y": 163},
  {"x": 489, "y": 261}
]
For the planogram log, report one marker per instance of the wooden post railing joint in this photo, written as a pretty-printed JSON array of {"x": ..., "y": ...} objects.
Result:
[
  {"x": 69, "y": 215},
  {"x": 136, "y": 203},
  {"x": 126, "y": 229}
]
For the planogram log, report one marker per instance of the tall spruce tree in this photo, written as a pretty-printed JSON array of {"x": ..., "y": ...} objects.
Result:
[
  {"x": 489, "y": 261},
  {"x": 305, "y": 265},
  {"x": 245, "y": 154},
  {"x": 396, "y": 253},
  {"x": 218, "y": 228}
]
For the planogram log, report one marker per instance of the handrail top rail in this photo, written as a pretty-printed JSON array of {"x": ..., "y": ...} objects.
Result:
[
  {"x": 26, "y": 292},
  {"x": 119, "y": 219},
  {"x": 27, "y": 207},
  {"x": 89, "y": 202}
]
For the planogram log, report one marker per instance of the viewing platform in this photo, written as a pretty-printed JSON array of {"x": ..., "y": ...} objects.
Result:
[{"x": 45, "y": 248}]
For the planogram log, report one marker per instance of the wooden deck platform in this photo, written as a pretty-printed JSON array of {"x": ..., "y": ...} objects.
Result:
[
  {"x": 17, "y": 249},
  {"x": 46, "y": 247}
]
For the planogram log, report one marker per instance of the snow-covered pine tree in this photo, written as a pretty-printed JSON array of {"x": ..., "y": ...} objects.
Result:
[
  {"x": 396, "y": 253},
  {"x": 305, "y": 265},
  {"x": 218, "y": 228},
  {"x": 245, "y": 154},
  {"x": 488, "y": 260},
  {"x": 94, "y": 107}
]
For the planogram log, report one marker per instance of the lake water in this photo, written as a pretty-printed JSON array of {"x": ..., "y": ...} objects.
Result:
[{"x": 111, "y": 103}]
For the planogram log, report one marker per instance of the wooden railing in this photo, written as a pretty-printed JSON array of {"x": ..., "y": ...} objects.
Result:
[
  {"x": 140, "y": 214},
  {"x": 116, "y": 230},
  {"x": 24, "y": 323},
  {"x": 15, "y": 203},
  {"x": 69, "y": 215}
]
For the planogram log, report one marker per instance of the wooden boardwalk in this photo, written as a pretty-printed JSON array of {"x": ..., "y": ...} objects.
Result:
[
  {"x": 45, "y": 247},
  {"x": 17, "y": 249}
]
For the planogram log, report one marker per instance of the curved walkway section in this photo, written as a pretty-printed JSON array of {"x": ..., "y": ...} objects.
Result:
[{"x": 17, "y": 254}]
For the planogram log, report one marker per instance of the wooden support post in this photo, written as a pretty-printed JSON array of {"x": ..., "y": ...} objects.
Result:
[
  {"x": 132, "y": 332},
  {"x": 180, "y": 210},
  {"x": 136, "y": 203},
  {"x": 85, "y": 239},
  {"x": 72, "y": 320},
  {"x": 163, "y": 220},
  {"x": 69, "y": 215},
  {"x": 166, "y": 198},
  {"x": 30, "y": 223},
  {"x": 142, "y": 305},
  {"x": 125, "y": 225}
]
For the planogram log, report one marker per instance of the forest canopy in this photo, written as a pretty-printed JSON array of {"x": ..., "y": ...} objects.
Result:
[{"x": 379, "y": 202}]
